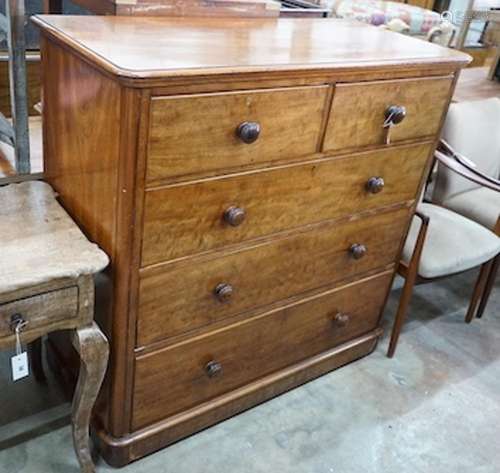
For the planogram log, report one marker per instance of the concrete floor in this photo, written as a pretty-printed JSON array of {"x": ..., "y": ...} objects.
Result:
[{"x": 434, "y": 408}]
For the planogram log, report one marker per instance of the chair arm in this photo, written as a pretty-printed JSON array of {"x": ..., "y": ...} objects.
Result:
[
  {"x": 463, "y": 166},
  {"x": 419, "y": 243}
]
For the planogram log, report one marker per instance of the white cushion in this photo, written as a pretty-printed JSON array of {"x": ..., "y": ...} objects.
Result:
[
  {"x": 453, "y": 243},
  {"x": 472, "y": 129},
  {"x": 481, "y": 205}
]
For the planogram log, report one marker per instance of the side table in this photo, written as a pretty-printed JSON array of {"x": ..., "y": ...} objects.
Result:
[{"x": 46, "y": 284}]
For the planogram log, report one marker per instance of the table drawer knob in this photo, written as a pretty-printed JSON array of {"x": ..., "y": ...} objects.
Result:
[
  {"x": 248, "y": 132},
  {"x": 375, "y": 184},
  {"x": 213, "y": 369},
  {"x": 357, "y": 251},
  {"x": 223, "y": 292},
  {"x": 234, "y": 216},
  {"x": 17, "y": 323},
  {"x": 395, "y": 114},
  {"x": 340, "y": 319}
]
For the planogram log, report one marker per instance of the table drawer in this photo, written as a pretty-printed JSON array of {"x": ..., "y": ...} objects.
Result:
[
  {"x": 358, "y": 111},
  {"x": 186, "y": 219},
  {"x": 184, "y": 375},
  {"x": 40, "y": 310},
  {"x": 197, "y": 134},
  {"x": 176, "y": 298}
]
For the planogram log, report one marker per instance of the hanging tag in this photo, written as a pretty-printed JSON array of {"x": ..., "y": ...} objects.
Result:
[
  {"x": 388, "y": 134},
  {"x": 19, "y": 362},
  {"x": 20, "y": 368}
]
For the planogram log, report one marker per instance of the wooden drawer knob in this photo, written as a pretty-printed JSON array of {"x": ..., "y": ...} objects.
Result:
[
  {"x": 395, "y": 114},
  {"x": 213, "y": 369},
  {"x": 223, "y": 292},
  {"x": 357, "y": 251},
  {"x": 375, "y": 184},
  {"x": 248, "y": 132},
  {"x": 340, "y": 319},
  {"x": 234, "y": 216}
]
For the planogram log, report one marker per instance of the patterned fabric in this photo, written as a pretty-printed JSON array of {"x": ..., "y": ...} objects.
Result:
[{"x": 378, "y": 12}]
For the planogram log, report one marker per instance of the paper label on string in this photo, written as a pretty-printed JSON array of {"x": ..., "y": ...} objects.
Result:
[{"x": 20, "y": 367}]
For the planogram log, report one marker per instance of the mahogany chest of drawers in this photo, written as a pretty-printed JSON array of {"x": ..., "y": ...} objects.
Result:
[{"x": 246, "y": 180}]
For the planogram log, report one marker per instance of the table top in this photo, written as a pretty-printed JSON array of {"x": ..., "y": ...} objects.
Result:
[
  {"x": 139, "y": 47},
  {"x": 39, "y": 241}
]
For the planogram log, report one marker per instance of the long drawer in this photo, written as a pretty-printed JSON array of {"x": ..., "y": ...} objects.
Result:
[
  {"x": 186, "y": 219},
  {"x": 359, "y": 111},
  {"x": 175, "y": 298},
  {"x": 183, "y": 375},
  {"x": 196, "y": 134}
]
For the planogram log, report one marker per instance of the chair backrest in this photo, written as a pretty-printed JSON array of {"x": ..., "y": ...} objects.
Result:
[{"x": 473, "y": 130}]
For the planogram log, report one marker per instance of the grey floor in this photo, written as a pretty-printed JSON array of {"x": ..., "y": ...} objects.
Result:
[{"x": 434, "y": 408}]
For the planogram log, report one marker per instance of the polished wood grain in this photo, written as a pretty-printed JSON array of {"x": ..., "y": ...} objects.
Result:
[
  {"x": 358, "y": 111},
  {"x": 194, "y": 134},
  {"x": 284, "y": 337},
  {"x": 152, "y": 51},
  {"x": 83, "y": 149},
  {"x": 120, "y": 451},
  {"x": 126, "y": 68},
  {"x": 81, "y": 125},
  {"x": 180, "y": 220},
  {"x": 179, "y": 297}
]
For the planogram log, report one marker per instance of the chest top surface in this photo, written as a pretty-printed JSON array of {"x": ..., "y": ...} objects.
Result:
[{"x": 147, "y": 47}]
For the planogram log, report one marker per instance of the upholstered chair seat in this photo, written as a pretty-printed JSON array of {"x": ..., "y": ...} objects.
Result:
[{"x": 453, "y": 243}]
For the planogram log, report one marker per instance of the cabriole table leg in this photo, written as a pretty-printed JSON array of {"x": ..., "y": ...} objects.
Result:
[{"x": 92, "y": 346}]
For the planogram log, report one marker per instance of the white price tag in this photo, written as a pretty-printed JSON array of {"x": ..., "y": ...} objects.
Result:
[{"x": 20, "y": 367}]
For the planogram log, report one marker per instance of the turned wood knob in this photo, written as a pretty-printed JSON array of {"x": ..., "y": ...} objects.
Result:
[
  {"x": 213, "y": 369},
  {"x": 234, "y": 216},
  {"x": 248, "y": 132},
  {"x": 375, "y": 184},
  {"x": 357, "y": 250},
  {"x": 340, "y": 319},
  {"x": 223, "y": 292},
  {"x": 395, "y": 114}
]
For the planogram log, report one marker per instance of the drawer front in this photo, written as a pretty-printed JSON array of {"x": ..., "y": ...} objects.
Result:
[
  {"x": 358, "y": 111},
  {"x": 179, "y": 297},
  {"x": 186, "y": 219},
  {"x": 199, "y": 133},
  {"x": 186, "y": 374},
  {"x": 40, "y": 310}
]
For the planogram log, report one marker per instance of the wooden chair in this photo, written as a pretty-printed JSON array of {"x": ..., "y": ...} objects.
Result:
[
  {"x": 473, "y": 130},
  {"x": 441, "y": 243}
]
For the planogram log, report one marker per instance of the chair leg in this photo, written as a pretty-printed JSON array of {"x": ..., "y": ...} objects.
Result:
[
  {"x": 478, "y": 290},
  {"x": 401, "y": 313},
  {"x": 489, "y": 286}
]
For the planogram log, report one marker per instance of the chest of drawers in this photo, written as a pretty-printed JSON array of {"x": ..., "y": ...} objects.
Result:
[{"x": 240, "y": 177}]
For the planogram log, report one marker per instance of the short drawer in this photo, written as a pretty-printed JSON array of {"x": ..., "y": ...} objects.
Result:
[
  {"x": 359, "y": 110},
  {"x": 40, "y": 310},
  {"x": 176, "y": 298},
  {"x": 197, "y": 134},
  {"x": 187, "y": 219},
  {"x": 186, "y": 374}
]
